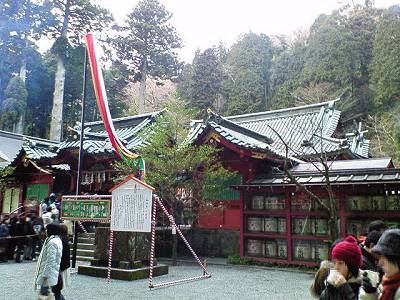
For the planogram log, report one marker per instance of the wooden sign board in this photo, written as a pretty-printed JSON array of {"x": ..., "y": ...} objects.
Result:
[
  {"x": 131, "y": 206},
  {"x": 85, "y": 209}
]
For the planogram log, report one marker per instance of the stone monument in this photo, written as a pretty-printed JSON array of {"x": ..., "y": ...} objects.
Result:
[{"x": 131, "y": 225}]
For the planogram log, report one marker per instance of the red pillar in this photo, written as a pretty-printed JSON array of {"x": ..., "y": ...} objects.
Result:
[
  {"x": 241, "y": 240},
  {"x": 288, "y": 225},
  {"x": 342, "y": 213}
]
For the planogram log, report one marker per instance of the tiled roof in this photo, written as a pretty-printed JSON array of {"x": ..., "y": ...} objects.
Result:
[
  {"x": 312, "y": 125},
  {"x": 90, "y": 146},
  {"x": 36, "y": 148},
  {"x": 390, "y": 176},
  {"x": 341, "y": 172},
  {"x": 12, "y": 144},
  {"x": 127, "y": 129},
  {"x": 96, "y": 140},
  {"x": 243, "y": 140},
  {"x": 346, "y": 165}
]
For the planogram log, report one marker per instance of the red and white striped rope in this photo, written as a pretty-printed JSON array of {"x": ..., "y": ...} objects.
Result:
[
  {"x": 83, "y": 228},
  {"x": 153, "y": 242},
  {"x": 110, "y": 256},
  {"x": 171, "y": 218},
  {"x": 205, "y": 275},
  {"x": 181, "y": 281}
]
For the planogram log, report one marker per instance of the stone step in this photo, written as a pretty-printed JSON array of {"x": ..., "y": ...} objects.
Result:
[
  {"x": 85, "y": 246},
  {"x": 89, "y": 234},
  {"x": 83, "y": 258},
  {"x": 85, "y": 240},
  {"x": 89, "y": 253}
]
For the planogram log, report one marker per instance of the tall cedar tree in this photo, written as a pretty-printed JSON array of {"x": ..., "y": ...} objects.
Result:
[
  {"x": 147, "y": 43},
  {"x": 74, "y": 18},
  {"x": 14, "y": 104},
  {"x": 22, "y": 22},
  {"x": 385, "y": 66},
  {"x": 248, "y": 72},
  {"x": 201, "y": 81}
]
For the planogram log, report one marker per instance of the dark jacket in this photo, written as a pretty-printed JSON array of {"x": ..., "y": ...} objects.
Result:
[
  {"x": 20, "y": 228},
  {"x": 4, "y": 231},
  {"x": 368, "y": 261},
  {"x": 343, "y": 292},
  {"x": 347, "y": 291},
  {"x": 65, "y": 257},
  {"x": 28, "y": 228}
]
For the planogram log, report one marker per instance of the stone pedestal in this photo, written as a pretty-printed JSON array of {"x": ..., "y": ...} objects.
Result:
[
  {"x": 128, "y": 246},
  {"x": 121, "y": 274},
  {"x": 130, "y": 256}
]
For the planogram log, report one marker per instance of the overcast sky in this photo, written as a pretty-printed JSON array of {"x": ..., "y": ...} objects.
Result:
[{"x": 204, "y": 23}]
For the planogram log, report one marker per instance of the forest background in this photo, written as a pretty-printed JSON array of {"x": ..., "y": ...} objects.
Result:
[{"x": 352, "y": 54}]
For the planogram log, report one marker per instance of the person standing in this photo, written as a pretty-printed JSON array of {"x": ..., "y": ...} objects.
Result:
[
  {"x": 48, "y": 265},
  {"x": 12, "y": 243},
  {"x": 377, "y": 225},
  {"x": 63, "y": 277},
  {"x": 55, "y": 214},
  {"x": 58, "y": 201},
  {"x": 20, "y": 237},
  {"x": 344, "y": 280},
  {"x": 30, "y": 234},
  {"x": 37, "y": 224},
  {"x": 52, "y": 198},
  {"x": 47, "y": 219},
  {"x": 4, "y": 234},
  {"x": 43, "y": 206},
  {"x": 388, "y": 249},
  {"x": 370, "y": 259}
]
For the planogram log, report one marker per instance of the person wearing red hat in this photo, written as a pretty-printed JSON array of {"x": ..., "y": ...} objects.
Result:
[{"x": 344, "y": 280}]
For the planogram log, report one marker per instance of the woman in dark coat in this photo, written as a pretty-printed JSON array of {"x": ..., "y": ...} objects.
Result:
[{"x": 64, "y": 264}]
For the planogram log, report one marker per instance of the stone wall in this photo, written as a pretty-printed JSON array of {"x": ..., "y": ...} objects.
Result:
[{"x": 205, "y": 242}]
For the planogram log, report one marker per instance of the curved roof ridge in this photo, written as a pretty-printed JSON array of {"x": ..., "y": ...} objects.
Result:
[
  {"x": 149, "y": 114},
  {"x": 282, "y": 112}
]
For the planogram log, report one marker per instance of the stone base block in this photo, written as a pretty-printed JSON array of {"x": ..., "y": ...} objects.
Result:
[
  {"x": 120, "y": 264},
  {"x": 123, "y": 274}
]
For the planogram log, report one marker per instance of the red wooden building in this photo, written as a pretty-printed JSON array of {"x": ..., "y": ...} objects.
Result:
[
  {"x": 30, "y": 181},
  {"x": 277, "y": 223},
  {"x": 280, "y": 224},
  {"x": 43, "y": 166}
]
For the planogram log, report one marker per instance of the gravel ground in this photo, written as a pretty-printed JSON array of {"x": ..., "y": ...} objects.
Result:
[{"x": 227, "y": 282}]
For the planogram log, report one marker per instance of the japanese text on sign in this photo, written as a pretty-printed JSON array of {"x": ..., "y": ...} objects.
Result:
[
  {"x": 96, "y": 210},
  {"x": 131, "y": 209}
]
